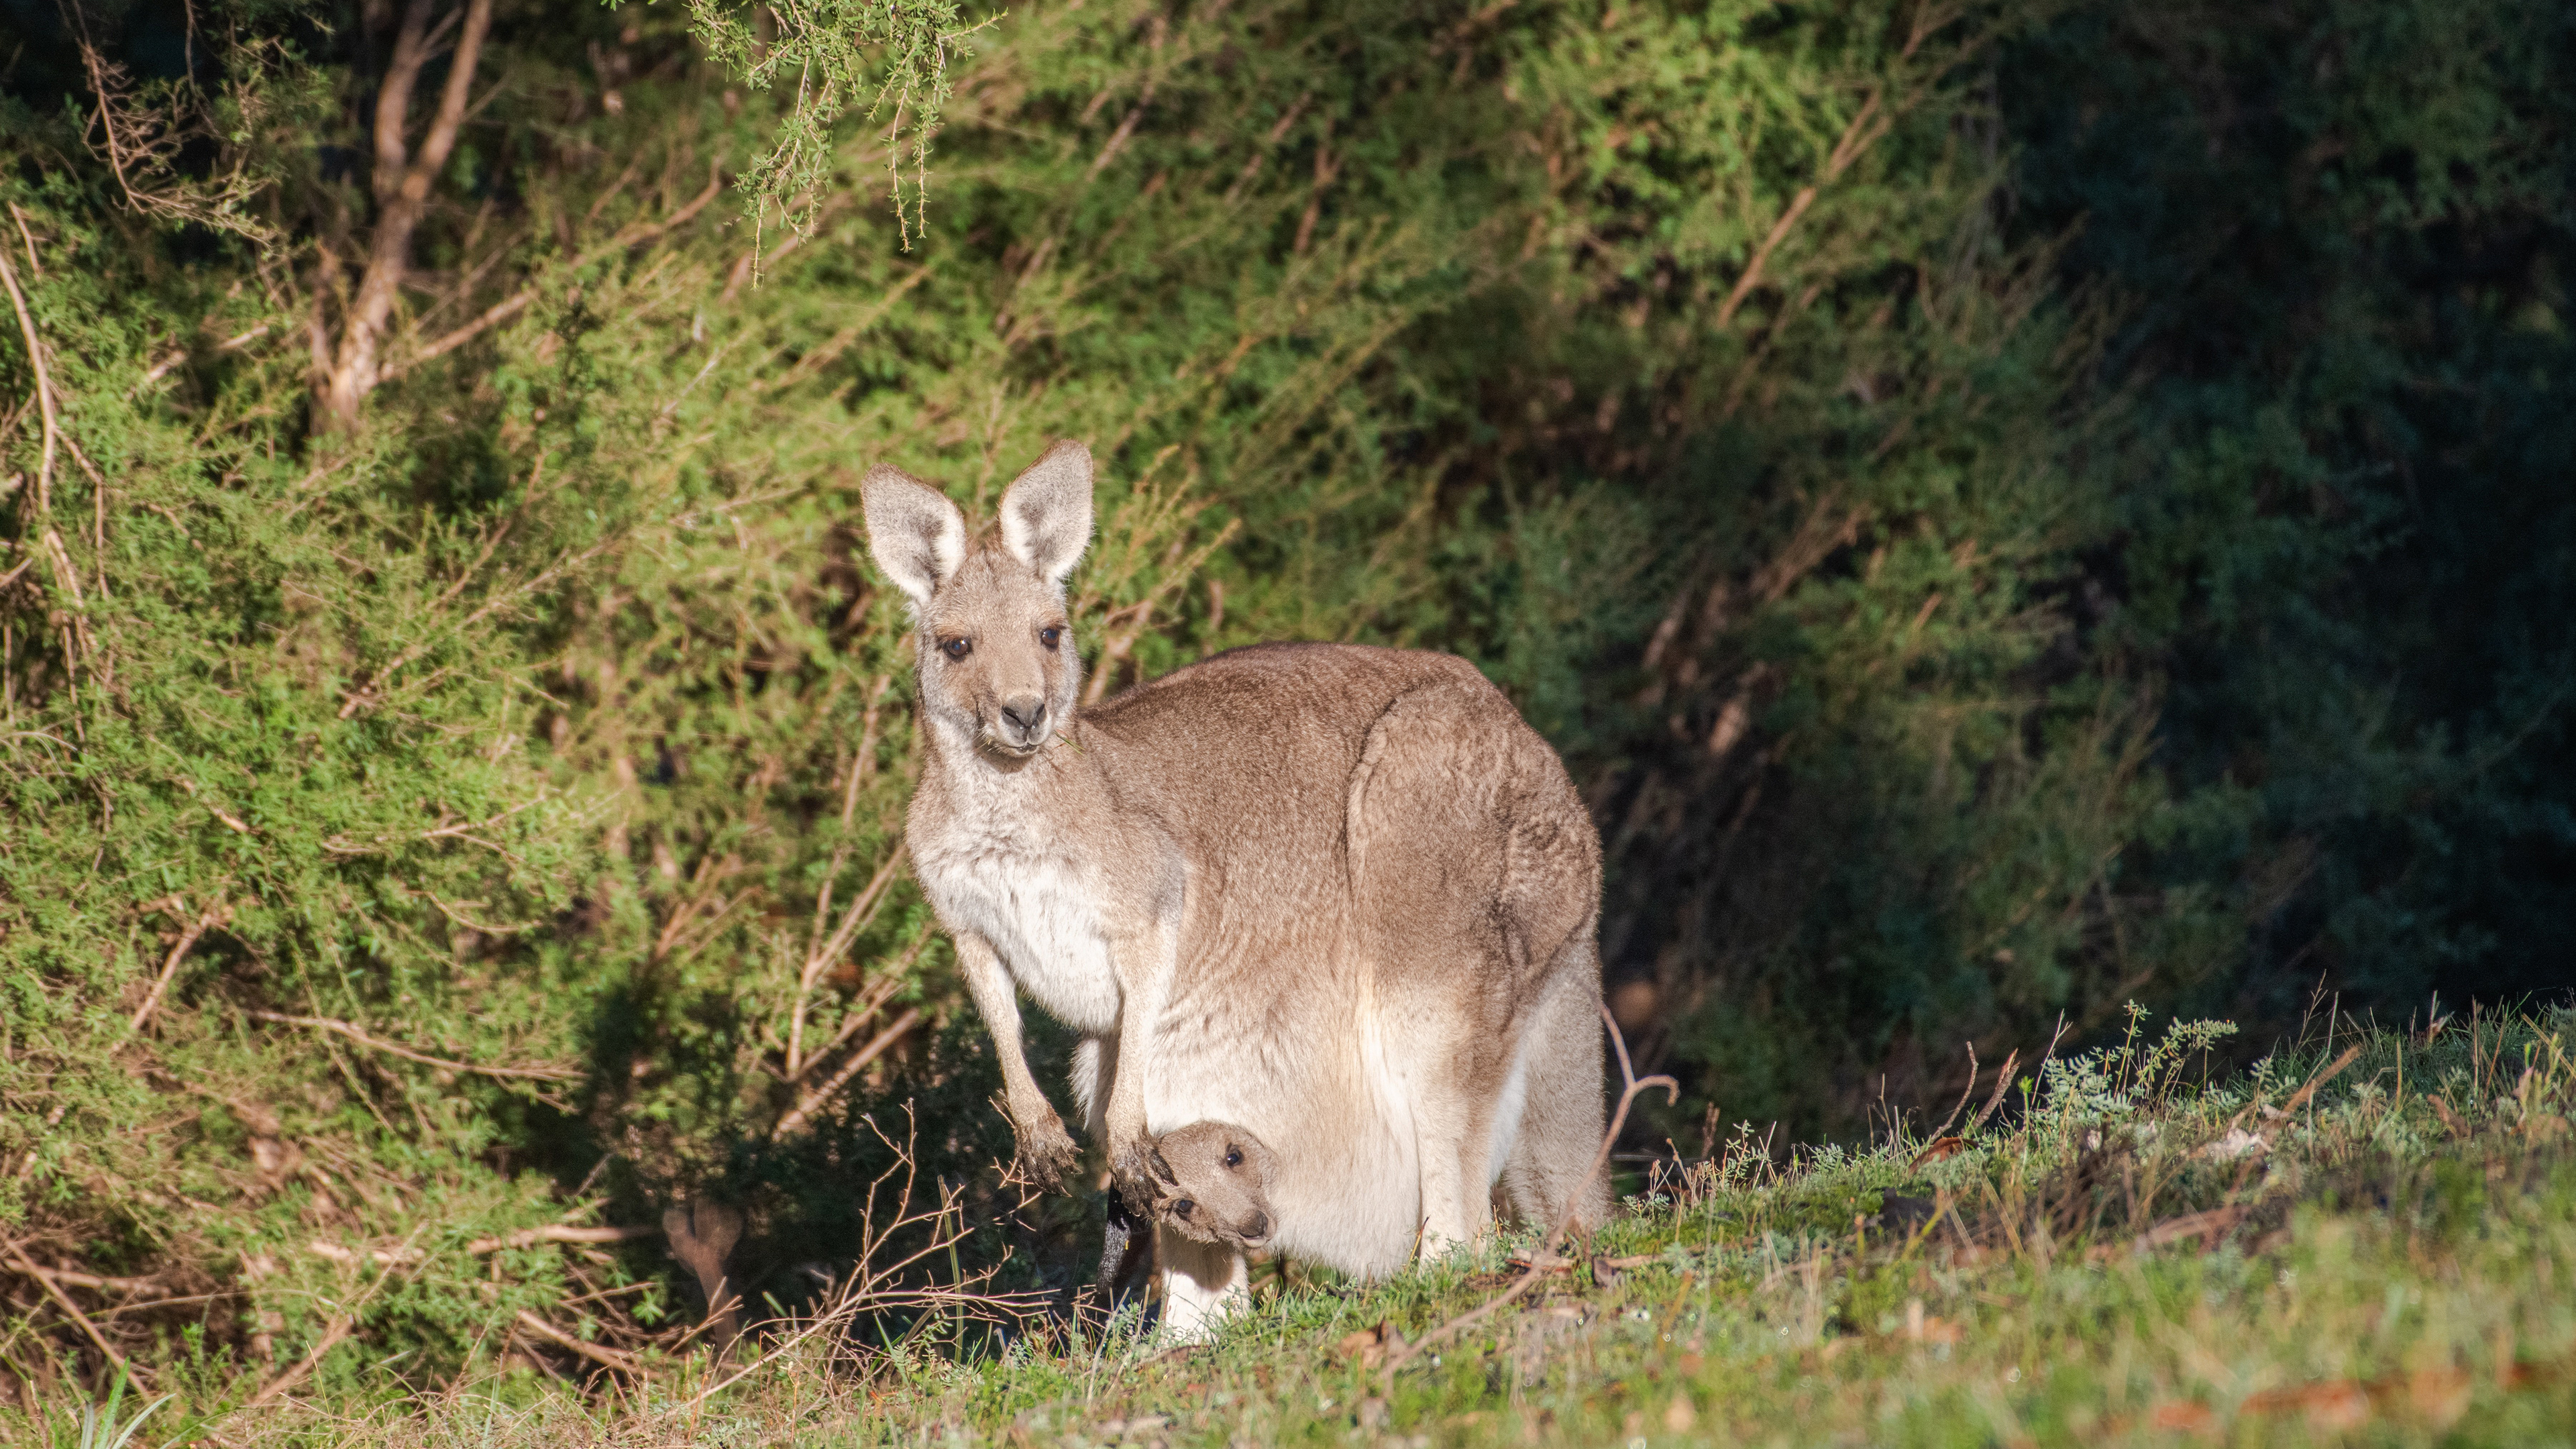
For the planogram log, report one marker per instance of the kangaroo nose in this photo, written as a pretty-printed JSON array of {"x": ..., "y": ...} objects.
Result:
[
  {"x": 1025, "y": 712},
  {"x": 1257, "y": 1227}
]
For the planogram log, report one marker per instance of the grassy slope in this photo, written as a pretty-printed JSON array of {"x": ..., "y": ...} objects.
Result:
[{"x": 2392, "y": 1265}]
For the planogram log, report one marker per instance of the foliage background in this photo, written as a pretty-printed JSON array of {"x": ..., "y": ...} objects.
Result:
[{"x": 2008, "y": 508}]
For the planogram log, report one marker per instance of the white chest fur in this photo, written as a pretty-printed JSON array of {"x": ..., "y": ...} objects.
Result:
[{"x": 1037, "y": 910}]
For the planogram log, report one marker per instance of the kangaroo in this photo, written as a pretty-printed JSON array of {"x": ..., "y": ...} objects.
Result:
[{"x": 1343, "y": 896}]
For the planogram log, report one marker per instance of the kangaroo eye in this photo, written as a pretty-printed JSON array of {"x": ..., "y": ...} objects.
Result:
[
  {"x": 1051, "y": 635},
  {"x": 957, "y": 648},
  {"x": 1234, "y": 1157}
]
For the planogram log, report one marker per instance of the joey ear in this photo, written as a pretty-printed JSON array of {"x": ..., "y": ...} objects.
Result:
[
  {"x": 916, "y": 535},
  {"x": 1046, "y": 514}
]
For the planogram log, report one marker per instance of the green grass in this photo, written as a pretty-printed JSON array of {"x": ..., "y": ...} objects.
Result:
[{"x": 2118, "y": 1265}]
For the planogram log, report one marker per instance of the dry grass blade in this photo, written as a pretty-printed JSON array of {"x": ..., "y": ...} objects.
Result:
[{"x": 2333, "y": 1070}]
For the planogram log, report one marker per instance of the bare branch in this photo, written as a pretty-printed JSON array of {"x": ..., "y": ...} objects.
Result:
[
  {"x": 393, "y": 99},
  {"x": 861, "y": 1014},
  {"x": 807, "y": 1105},
  {"x": 511, "y": 306},
  {"x": 557, "y": 1233},
  {"x": 212, "y": 916},
  {"x": 403, "y": 189},
  {"x": 57, "y": 559},
  {"x": 605, "y": 1357},
  {"x": 55, "y": 1291},
  {"x": 363, "y": 1038}
]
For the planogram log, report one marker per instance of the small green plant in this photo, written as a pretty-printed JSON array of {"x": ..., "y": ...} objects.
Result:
[{"x": 99, "y": 1427}]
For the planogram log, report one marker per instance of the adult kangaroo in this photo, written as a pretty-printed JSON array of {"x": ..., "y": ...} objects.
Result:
[{"x": 1341, "y": 896}]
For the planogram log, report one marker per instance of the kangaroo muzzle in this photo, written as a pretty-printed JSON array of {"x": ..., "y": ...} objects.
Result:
[{"x": 1023, "y": 722}]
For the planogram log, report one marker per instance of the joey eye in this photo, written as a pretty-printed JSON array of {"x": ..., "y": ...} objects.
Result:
[
  {"x": 1234, "y": 1157},
  {"x": 957, "y": 648},
  {"x": 1052, "y": 635}
]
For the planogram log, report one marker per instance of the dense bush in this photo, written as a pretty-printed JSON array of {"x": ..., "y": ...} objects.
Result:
[{"x": 2008, "y": 509}]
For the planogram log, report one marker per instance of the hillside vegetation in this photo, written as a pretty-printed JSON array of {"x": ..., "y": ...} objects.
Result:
[{"x": 2010, "y": 509}]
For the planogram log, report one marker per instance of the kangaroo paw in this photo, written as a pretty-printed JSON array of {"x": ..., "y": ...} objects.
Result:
[
  {"x": 1141, "y": 1180},
  {"x": 1046, "y": 1152}
]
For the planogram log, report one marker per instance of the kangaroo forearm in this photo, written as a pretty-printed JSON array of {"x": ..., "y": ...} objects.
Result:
[
  {"x": 997, "y": 1001},
  {"x": 1144, "y": 980}
]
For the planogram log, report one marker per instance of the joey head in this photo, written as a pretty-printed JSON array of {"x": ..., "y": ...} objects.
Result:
[{"x": 1214, "y": 1184}]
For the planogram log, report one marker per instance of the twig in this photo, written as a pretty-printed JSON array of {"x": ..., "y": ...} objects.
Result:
[
  {"x": 340, "y": 1328},
  {"x": 557, "y": 1233},
  {"x": 55, "y": 1291},
  {"x": 2300, "y": 1097},
  {"x": 362, "y": 1038},
  {"x": 502, "y": 311},
  {"x": 1854, "y": 140},
  {"x": 1964, "y": 1093},
  {"x": 860, "y": 1014},
  {"x": 815, "y": 360},
  {"x": 817, "y": 957},
  {"x": 2003, "y": 1079},
  {"x": 212, "y": 915},
  {"x": 367, "y": 693},
  {"x": 874, "y": 1285},
  {"x": 51, "y": 543},
  {"x": 605, "y": 1357},
  {"x": 1252, "y": 167},
  {"x": 126, "y": 1286},
  {"x": 811, "y": 1101},
  {"x": 1752, "y": 277},
  {"x": 1127, "y": 127},
  {"x": 342, "y": 1324},
  {"x": 166, "y": 365}
]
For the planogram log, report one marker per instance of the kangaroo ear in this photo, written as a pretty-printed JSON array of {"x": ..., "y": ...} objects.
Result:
[
  {"x": 916, "y": 534},
  {"x": 1046, "y": 515}
]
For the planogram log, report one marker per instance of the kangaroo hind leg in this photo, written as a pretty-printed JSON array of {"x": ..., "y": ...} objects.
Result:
[{"x": 1561, "y": 1111}]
